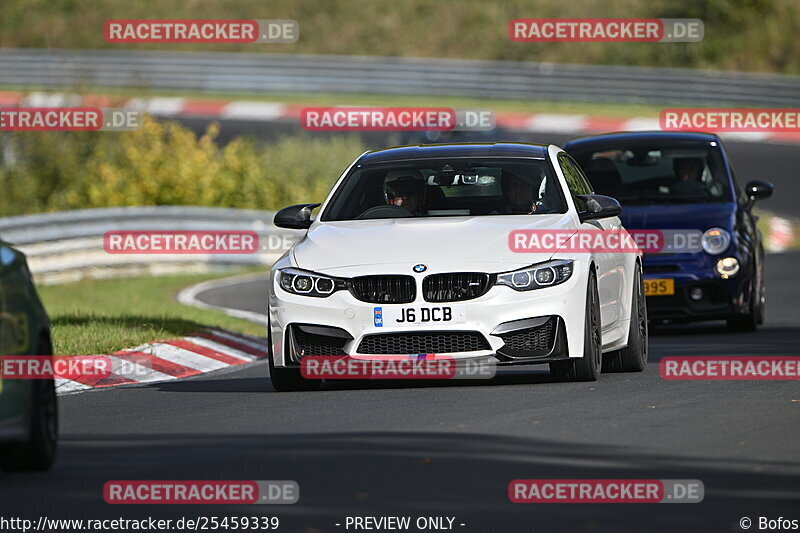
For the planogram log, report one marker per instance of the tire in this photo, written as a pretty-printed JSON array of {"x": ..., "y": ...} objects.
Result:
[
  {"x": 38, "y": 452},
  {"x": 588, "y": 367},
  {"x": 748, "y": 321},
  {"x": 633, "y": 358},
  {"x": 744, "y": 323},
  {"x": 761, "y": 305},
  {"x": 757, "y": 308},
  {"x": 287, "y": 379}
]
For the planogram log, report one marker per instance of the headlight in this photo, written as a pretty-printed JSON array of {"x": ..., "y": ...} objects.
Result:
[
  {"x": 727, "y": 267},
  {"x": 715, "y": 241},
  {"x": 537, "y": 276},
  {"x": 298, "y": 281}
]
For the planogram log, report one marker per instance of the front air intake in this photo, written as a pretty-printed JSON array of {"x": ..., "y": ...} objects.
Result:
[
  {"x": 384, "y": 289},
  {"x": 455, "y": 286}
]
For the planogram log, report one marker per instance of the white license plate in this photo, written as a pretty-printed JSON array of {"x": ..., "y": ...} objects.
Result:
[{"x": 417, "y": 316}]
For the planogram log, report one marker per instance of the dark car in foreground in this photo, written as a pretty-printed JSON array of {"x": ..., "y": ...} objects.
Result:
[
  {"x": 28, "y": 409},
  {"x": 685, "y": 181}
]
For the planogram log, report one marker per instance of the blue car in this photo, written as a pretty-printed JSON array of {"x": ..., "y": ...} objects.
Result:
[{"x": 685, "y": 181}]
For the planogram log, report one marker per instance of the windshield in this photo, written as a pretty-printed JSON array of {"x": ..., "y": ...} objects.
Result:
[
  {"x": 662, "y": 173},
  {"x": 436, "y": 188}
]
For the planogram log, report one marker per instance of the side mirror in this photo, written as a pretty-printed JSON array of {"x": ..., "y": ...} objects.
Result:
[
  {"x": 599, "y": 206},
  {"x": 295, "y": 216},
  {"x": 757, "y": 190}
]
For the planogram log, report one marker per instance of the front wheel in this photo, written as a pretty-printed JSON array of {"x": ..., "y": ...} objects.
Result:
[
  {"x": 761, "y": 305},
  {"x": 748, "y": 321},
  {"x": 587, "y": 368},
  {"x": 287, "y": 379},
  {"x": 290, "y": 379}
]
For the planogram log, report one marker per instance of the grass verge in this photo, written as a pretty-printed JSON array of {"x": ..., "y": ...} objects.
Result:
[{"x": 102, "y": 316}]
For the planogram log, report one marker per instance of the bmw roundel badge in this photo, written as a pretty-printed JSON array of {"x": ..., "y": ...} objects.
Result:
[{"x": 420, "y": 268}]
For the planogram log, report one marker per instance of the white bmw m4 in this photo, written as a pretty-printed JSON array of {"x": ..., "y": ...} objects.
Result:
[{"x": 410, "y": 254}]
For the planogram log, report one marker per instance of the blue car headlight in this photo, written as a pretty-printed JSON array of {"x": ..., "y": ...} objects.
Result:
[
  {"x": 305, "y": 283},
  {"x": 538, "y": 276},
  {"x": 715, "y": 241}
]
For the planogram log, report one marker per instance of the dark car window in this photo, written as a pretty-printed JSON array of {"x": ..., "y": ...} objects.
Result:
[
  {"x": 435, "y": 188},
  {"x": 656, "y": 172},
  {"x": 576, "y": 181}
]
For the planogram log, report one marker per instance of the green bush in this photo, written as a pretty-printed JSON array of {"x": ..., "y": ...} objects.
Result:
[{"x": 164, "y": 163}]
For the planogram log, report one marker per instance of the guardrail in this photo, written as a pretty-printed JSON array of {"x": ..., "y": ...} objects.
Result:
[
  {"x": 222, "y": 72},
  {"x": 68, "y": 245}
]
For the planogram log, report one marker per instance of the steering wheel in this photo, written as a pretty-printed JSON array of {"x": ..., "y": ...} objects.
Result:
[{"x": 386, "y": 211}]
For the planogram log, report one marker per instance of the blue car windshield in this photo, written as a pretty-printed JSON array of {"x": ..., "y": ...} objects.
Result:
[{"x": 642, "y": 173}]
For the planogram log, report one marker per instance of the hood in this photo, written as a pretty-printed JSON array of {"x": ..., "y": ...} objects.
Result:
[
  {"x": 679, "y": 216},
  {"x": 443, "y": 244}
]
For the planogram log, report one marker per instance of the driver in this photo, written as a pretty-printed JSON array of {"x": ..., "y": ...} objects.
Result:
[
  {"x": 407, "y": 192},
  {"x": 688, "y": 171}
]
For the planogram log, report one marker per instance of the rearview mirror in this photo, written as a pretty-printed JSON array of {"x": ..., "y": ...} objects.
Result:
[
  {"x": 599, "y": 206},
  {"x": 295, "y": 216},
  {"x": 445, "y": 176},
  {"x": 756, "y": 190}
]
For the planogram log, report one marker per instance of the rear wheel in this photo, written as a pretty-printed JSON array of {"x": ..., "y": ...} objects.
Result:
[
  {"x": 587, "y": 368},
  {"x": 633, "y": 358},
  {"x": 38, "y": 452}
]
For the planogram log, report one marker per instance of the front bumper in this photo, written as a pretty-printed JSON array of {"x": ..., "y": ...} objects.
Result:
[
  {"x": 721, "y": 298},
  {"x": 510, "y": 326}
]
